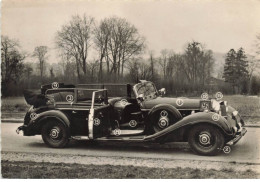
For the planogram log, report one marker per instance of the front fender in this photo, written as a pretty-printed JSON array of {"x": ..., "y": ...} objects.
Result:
[
  {"x": 200, "y": 117},
  {"x": 169, "y": 107}
]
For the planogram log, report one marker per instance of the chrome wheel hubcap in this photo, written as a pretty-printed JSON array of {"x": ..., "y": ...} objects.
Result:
[
  {"x": 54, "y": 133},
  {"x": 163, "y": 122},
  {"x": 204, "y": 139}
]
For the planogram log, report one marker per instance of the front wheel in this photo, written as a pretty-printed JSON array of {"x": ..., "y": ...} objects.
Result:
[
  {"x": 55, "y": 134},
  {"x": 206, "y": 139}
]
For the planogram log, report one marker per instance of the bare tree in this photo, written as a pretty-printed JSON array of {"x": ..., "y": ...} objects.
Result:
[
  {"x": 74, "y": 40},
  {"x": 102, "y": 35},
  {"x": 133, "y": 67},
  {"x": 254, "y": 61},
  {"x": 69, "y": 71},
  {"x": 152, "y": 64},
  {"x": 28, "y": 72},
  {"x": 145, "y": 71},
  {"x": 52, "y": 75},
  {"x": 132, "y": 44},
  {"x": 163, "y": 61},
  {"x": 93, "y": 68},
  {"x": 40, "y": 53},
  {"x": 206, "y": 65},
  {"x": 117, "y": 41},
  {"x": 253, "y": 67},
  {"x": 197, "y": 63},
  {"x": 11, "y": 61}
]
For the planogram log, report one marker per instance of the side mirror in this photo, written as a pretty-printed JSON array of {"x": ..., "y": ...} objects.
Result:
[
  {"x": 140, "y": 97},
  {"x": 162, "y": 91}
]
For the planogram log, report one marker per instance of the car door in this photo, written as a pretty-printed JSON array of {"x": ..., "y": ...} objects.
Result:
[
  {"x": 80, "y": 112},
  {"x": 77, "y": 112}
]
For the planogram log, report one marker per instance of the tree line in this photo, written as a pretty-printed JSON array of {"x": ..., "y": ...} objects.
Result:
[
  {"x": 114, "y": 39},
  {"x": 118, "y": 50}
]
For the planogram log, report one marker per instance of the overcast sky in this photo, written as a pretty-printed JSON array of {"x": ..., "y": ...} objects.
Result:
[{"x": 220, "y": 25}]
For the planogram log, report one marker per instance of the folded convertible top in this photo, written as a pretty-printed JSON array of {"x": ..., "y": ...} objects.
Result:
[
  {"x": 34, "y": 98},
  {"x": 37, "y": 98}
]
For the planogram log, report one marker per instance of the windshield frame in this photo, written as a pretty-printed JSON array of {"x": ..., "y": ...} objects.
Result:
[{"x": 145, "y": 97}]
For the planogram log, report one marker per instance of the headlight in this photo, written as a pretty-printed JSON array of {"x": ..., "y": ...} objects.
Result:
[
  {"x": 225, "y": 103},
  {"x": 235, "y": 113},
  {"x": 215, "y": 105}
]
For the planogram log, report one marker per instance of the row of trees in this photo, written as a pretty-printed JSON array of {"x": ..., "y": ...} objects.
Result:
[
  {"x": 11, "y": 64},
  {"x": 118, "y": 48},
  {"x": 238, "y": 71},
  {"x": 16, "y": 74},
  {"x": 188, "y": 71},
  {"x": 114, "y": 39},
  {"x": 236, "y": 68}
]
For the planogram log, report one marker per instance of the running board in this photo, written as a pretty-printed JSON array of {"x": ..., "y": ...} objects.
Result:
[
  {"x": 80, "y": 137},
  {"x": 122, "y": 138},
  {"x": 118, "y": 132},
  {"x": 116, "y": 135},
  {"x": 112, "y": 138}
]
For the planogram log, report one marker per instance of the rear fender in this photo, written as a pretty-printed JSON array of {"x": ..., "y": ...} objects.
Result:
[
  {"x": 40, "y": 118},
  {"x": 197, "y": 118}
]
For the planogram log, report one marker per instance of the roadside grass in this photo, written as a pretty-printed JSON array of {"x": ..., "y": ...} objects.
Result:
[
  {"x": 13, "y": 107},
  {"x": 13, "y": 104},
  {"x": 248, "y": 107},
  {"x": 24, "y": 170}
]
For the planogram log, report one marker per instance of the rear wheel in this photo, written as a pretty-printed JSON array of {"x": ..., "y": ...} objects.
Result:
[
  {"x": 206, "y": 139},
  {"x": 55, "y": 134}
]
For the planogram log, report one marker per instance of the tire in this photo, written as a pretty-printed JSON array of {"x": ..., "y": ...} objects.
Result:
[
  {"x": 159, "y": 122},
  {"x": 55, "y": 134},
  {"x": 206, "y": 140}
]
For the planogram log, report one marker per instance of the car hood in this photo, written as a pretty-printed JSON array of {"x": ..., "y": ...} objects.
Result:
[{"x": 187, "y": 104}]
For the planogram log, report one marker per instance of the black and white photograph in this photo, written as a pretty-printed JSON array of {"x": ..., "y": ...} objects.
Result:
[{"x": 133, "y": 89}]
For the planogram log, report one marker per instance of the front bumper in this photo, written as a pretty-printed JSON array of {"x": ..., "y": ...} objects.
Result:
[
  {"x": 237, "y": 137},
  {"x": 23, "y": 128}
]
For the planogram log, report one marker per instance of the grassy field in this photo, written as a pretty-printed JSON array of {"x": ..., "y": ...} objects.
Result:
[
  {"x": 60, "y": 170},
  {"x": 13, "y": 107},
  {"x": 14, "y": 104},
  {"x": 248, "y": 106}
]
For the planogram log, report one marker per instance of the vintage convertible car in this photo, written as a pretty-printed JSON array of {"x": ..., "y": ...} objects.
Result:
[{"x": 63, "y": 112}]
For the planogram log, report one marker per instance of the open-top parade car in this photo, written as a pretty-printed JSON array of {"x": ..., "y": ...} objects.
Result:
[{"x": 63, "y": 112}]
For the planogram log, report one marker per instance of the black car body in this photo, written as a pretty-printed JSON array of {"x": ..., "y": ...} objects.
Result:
[{"x": 63, "y": 112}]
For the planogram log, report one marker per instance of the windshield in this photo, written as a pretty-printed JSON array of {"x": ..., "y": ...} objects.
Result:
[{"x": 146, "y": 89}]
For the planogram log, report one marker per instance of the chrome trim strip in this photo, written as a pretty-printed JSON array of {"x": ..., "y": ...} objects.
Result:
[
  {"x": 90, "y": 123},
  {"x": 91, "y": 115}
]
